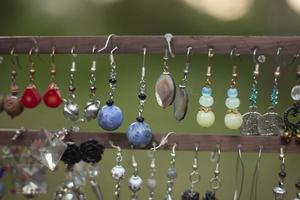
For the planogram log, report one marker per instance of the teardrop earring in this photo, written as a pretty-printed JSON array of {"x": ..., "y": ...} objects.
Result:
[
  {"x": 205, "y": 115},
  {"x": 233, "y": 118},
  {"x": 52, "y": 97}
]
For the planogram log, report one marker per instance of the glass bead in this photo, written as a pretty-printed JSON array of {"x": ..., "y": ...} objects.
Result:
[
  {"x": 295, "y": 93},
  {"x": 205, "y": 119},
  {"x": 206, "y": 91},
  {"x": 232, "y": 92},
  {"x": 232, "y": 102},
  {"x": 233, "y": 120},
  {"x": 206, "y": 101},
  {"x": 171, "y": 173}
]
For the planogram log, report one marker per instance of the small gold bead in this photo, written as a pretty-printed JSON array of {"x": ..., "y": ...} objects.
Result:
[{"x": 286, "y": 136}]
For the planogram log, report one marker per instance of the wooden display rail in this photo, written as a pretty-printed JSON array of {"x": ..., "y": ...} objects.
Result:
[
  {"x": 184, "y": 141},
  {"x": 154, "y": 44}
]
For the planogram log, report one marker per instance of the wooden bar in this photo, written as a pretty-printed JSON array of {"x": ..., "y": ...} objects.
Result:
[
  {"x": 154, "y": 44},
  {"x": 184, "y": 142}
]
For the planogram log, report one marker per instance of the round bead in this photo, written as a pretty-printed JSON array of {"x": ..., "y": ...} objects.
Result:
[
  {"x": 151, "y": 184},
  {"x": 206, "y": 101},
  {"x": 232, "y": 92},
  {"x": 295, "y": 93},
  {"x": 233, "y": 120},
  {"x": 206, "y": 91},
  {"x": 139, "y": 134},
  {"x": 135, "y": 183},
  {"x": 232, "y": 102},
  {"x": 110, "y": 117},
  {"x": 171, "y": 173},
  {"x": 117, "y": 172},
  {"x": 205, "y": 119}
]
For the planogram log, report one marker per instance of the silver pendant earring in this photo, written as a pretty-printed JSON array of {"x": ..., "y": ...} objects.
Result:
[{"x": 171, "y": 174}]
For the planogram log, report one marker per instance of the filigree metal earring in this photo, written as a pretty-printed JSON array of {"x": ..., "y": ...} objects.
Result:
[
  {"x": 279, "y": 191},
  {"x": 171, "y": 174},
  {"x": 233, "y": 118},
  {"x": 182, "y": 98},
  {"x": 52, "y": 97},
  {"x": 252, "y": 117},
  {"x": 110, "y": 116},
  {"x": 135, "y": 182},
  {"x": 206, "y": 116},
  {"x": 297, "y": 185},
  {"x": 271, "y": 122},
  {"x": 11, "y": 103}
]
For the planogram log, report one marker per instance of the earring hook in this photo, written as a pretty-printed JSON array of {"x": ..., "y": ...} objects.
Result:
[
  {"x": 13, "y": 57},
  {"x": 189, "y": 54},
  {"x": 52, "y": 55},
  {"x": 169, "y": 37},
  {"x": 112, "y": 60},
  {"x": 114, "y": 146},
  {"x": 233, "y": 53},
  {"x": 106, "y": 43},
  {"x": 163, "y": 141}
]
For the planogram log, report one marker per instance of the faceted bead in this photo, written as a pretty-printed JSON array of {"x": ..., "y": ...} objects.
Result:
[
  {"x": 233, "y": 120},
  {"x": 295, "y": 93},
  {"x": 205, "y": 119},
  {"x": 232, "y": 102},
  {"x": 206, "y": 101},
  {"x": 232, "y": 92},
  {"x": 206, "y": 91}
]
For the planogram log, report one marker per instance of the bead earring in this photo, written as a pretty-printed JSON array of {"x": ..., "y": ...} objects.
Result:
[
  {"x": 271, "y": 122},
  {"x": 233, "y": 118},
  {"x": 252, "y": 117},
  {"x": 151, "y": 181},
  {"x": 139, "y": 133},
  {"x": 11, "y": 102},
  {"x": 52, "y": 97},
  {"x": 171, "y": 174},
  {"x": 135, "y": 182},
  {"x": 279, "y": 191},
  {"x": 206, "y": 116},
  {"x": 110, "y": 116},
  {"x": 194, "y": 177}
]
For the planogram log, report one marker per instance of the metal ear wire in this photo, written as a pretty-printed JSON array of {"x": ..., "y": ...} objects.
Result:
[
  {"x": 112, "y": 60},
  {"x": 163, "y": 141},
  {"x": 194, "y": 175},
  {"x": 169, "y": 37},
  {"x": 239, "y": 163},
  {"x": 106, "y": 43},
  {"x": 253, "y": 192},
  {"x": 52, "y": 55},
  {"x": 233, "y": 53}
]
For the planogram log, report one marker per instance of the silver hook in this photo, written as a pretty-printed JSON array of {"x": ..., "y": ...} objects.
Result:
[
  {"x": 73, "y": 54},
  {"x": 233, "y": 53},
  {"x": 163, "y": 141},
  {"x": 106, "y": 43},
  {"x": 169, "y": 37},
  {"x": 112, "y": 60},
  {"x": 114, "y": 146},
  {"x": 216, "y": 154},
  {"x": 52, "y": 54},
  {"x": 144, "y": 61},
  {"x": 258, "y": 59},
  {"x": 189, "y": 53}
]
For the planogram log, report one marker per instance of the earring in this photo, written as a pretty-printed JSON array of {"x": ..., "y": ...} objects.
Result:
[
  {"x": 93, "y": 106},
  {"x": 31, "y": 96},
  {"x": 151, "y": 181},
  {"x": 297, "y": 185},
  {"x": 182, "y": 99},
  {"x": 206, "y": 116},
  {"x": 171, "y": 174},
  {"x": 165, "y": 87},
  {"x": 252, "y": 117},
  {"x": 279, "y": 191},
  {"x": 191, "y": 194},
  {"x": 139, "y": 133},
  {"x": 135, "y": 182},
  {"x": 239, "y": 181},
  {"x": 233, "y": 118},
  {"x": 52, "y": 97},
  {"x": 110, "y": 116},
  {"x": 271, "y": 122},
  {"x": 253, "y": 194},
  {"x": 11, "y": 103}
]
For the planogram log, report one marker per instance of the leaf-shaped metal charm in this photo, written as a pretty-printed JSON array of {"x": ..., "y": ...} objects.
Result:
[
  {"x": 181, "y": 103},
  {"x": 165, "y": 90}
]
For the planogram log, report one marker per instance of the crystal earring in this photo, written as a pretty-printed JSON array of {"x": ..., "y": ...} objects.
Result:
[
  {"x": 110, "y": 116},
  {"x": 206, "y": 116},
  {"x": 279, "y": 191},
  {"x": 297, "y": 185},
  {"x": 233, "y": 118},
  {"x": 31, "y": 96},
  {"x": 165, "y": 87},
  {"x": 135, "y": 182},
  {"x": 253, "y": 192},
  {"x": 171, "y": 174},
  {"x": 93, "y": 105},
  {"x": 239, "y": 176},
  {"x": 182, "y": 99},
  {"x": 271, "y": 122},
  {"x": 52, "y": 97},
  {"x": 191, "y": 194},
  {"x": 139, "y": 133},
  {"x": 118, "y": 172},
  {"x": 11, "y": 103},
  {"x": 252, "y": 117}
]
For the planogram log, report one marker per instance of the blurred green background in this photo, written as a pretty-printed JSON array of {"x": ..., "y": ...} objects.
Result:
[{"x": 134, "y": 17}]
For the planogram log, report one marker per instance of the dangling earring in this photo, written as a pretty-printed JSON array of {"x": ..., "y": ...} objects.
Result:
[
  {"x": 205, "y": 115},
  {"x": 52, "y": 97},
  {"x": 279, "y": 191},
  {"x": 251, "y": 118},
  {"x": 271, "y": 122},
  {"x": 110, "y": 116},
  {"x": 31, "y": 96},
  {"x": 11, "y": 102},
  {"x": 253, "y": 192},
  {"x": 139, "y": 133},
  {"x": 135, "y": 182},
  {"x": 171, "y": 174},
  {"x": 297, "y": 185},
  {"x": 182, "y": 98},
  {"x": 165, "y": 88},
  {"x": 239, "y": 166},
  {"x": 151, "y": 181},
  {"x": 191, "y": 194},
  {"x": 233, "y": 118}
]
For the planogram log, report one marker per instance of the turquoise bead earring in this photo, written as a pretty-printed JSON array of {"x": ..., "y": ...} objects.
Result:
[
  {"x": 206, "y": 116},
  {"x": 233, "y": 118}
]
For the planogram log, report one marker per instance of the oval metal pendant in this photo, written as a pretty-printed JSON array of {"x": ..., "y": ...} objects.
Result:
[
  {"x": 181, "y": 103},
  {"x": 165, "y": 90},
  {"x": 271, "y": 123},
  {"x": 250, "y": 123}
]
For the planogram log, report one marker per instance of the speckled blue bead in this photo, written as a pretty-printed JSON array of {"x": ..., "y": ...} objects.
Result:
[
  {"x": 110, "y": 117},
  {"x": 139, "y": 134},
  {"x": 206, "y": 91},
  {"x": 232, "y": 92}
]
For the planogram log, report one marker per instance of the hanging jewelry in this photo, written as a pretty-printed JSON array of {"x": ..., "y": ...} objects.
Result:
[
  {"x": 253, "y": 194},
  {"x": 71, "y": 108},
  {"x": 118, "y": 172},
  {"x": 139, "y": 133},
  {"x": 252, "y": 117},
  {"x": 31, "y": 96},
  {"x": 52, "y": 97},
  {"x": 297, "y": 185},
  {"x": 110, "y": 116},
  {"x": 11, "y": 103},
  {"x": 239, "y": 184},
  {"x": 191, "y": 194},
  {"x": 171, "y": 174},
  {"x": 151, "y": 181},
  {"x": 135, "y": 182},
  {"x": 271, "y": 122},
  {"x": 165, "y": 87},
  {"x": 279, "y": 191},
  {"x": 182, "y": 99},
  {"x": 205, "y": 115},
  {"x": 93, "y": 105},
  {"x": 233, "y": 118}
]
